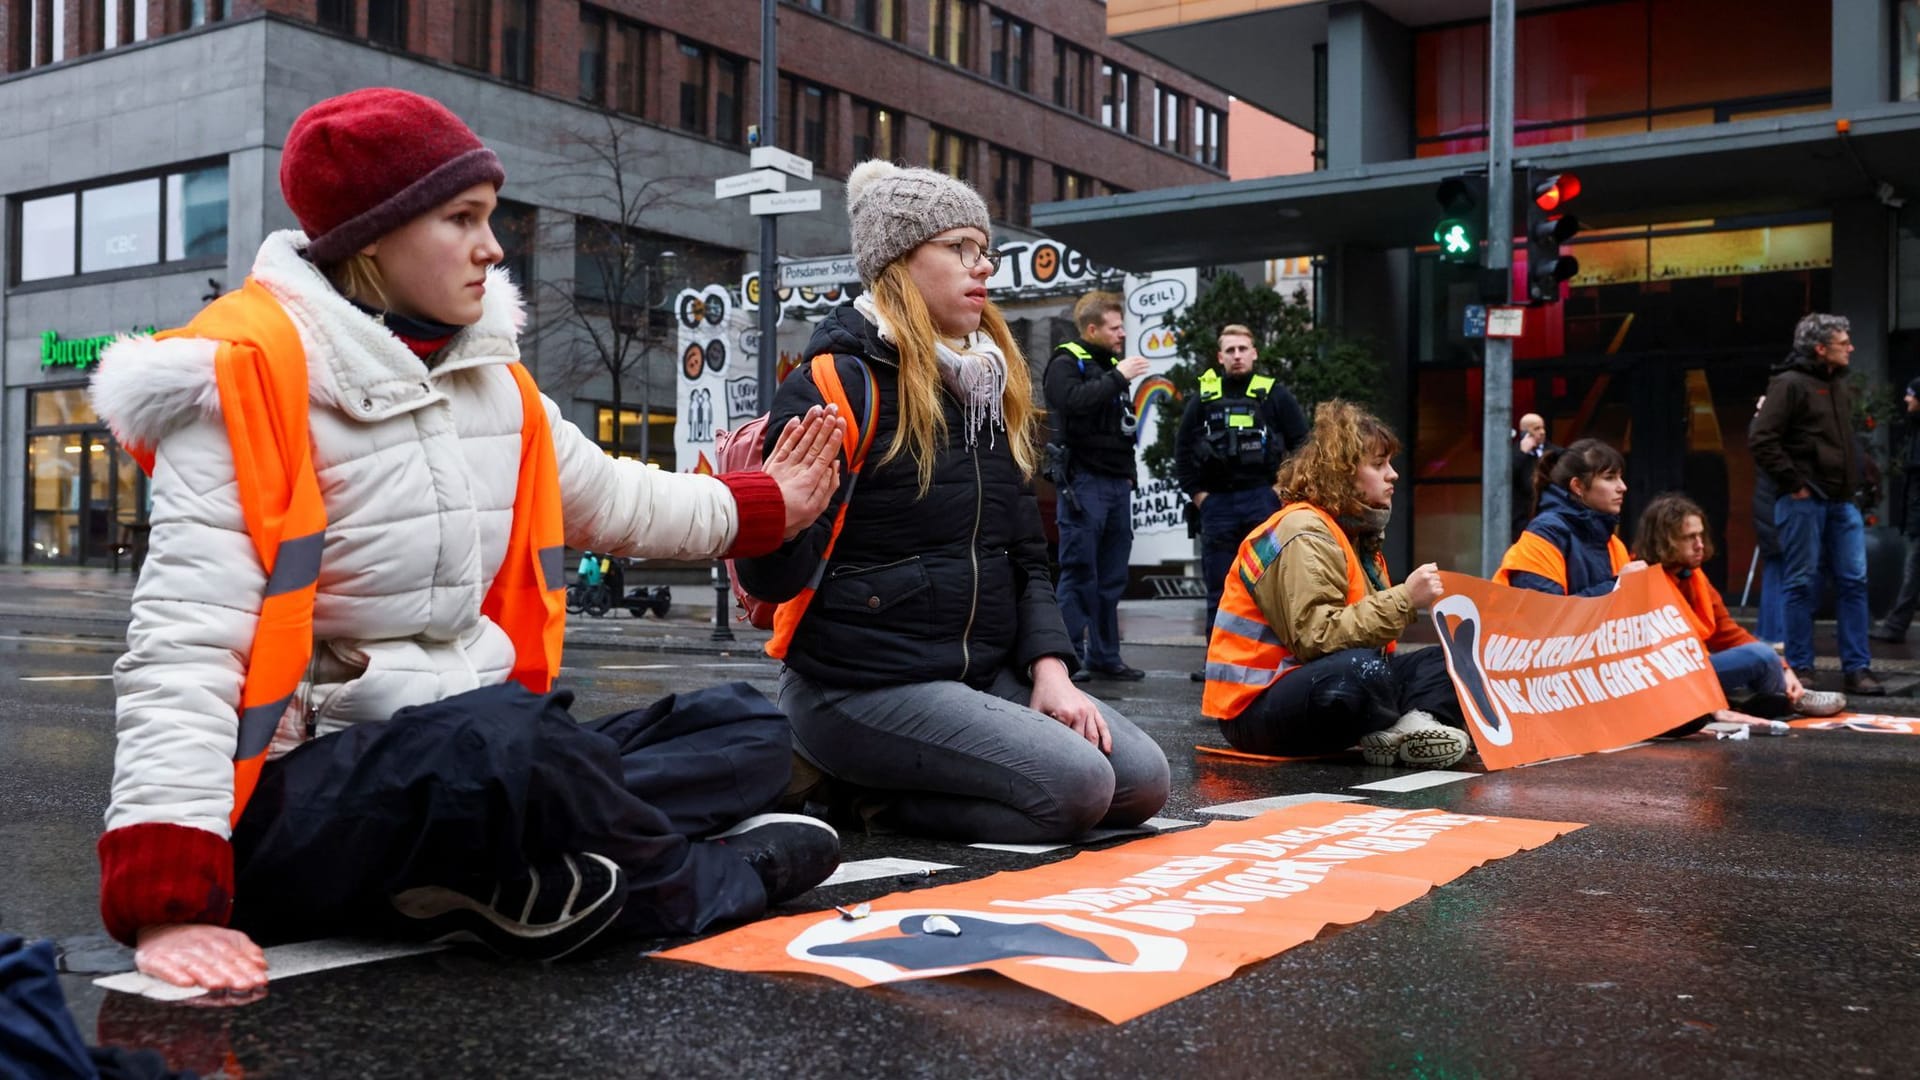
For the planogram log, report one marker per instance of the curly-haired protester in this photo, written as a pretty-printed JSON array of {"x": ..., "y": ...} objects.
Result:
[
  {"x": 1302, "y": 657},
  {"x": 930, "y": 671},
  {"x": 1672, "y": 537},
  {"x": 1570, "y": 547},
  {"x": 334, "y": 712}
]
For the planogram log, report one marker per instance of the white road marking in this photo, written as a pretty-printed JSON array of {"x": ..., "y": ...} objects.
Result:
[
  {"x": 1020, "y": 849},
  {"x": 1255, "y": 807},
  {"x": 868, "y": 869},
  {"x": 64, "y": 678},
  {"x": 97, "y": 643},
  {"x": 283, "y": 962},
  {"x": 1416, "y": 781},
  {"x": 676, "y": 667},
  {"x": 1549, "y": 761},
  {"x": 1629, "y": 746}
]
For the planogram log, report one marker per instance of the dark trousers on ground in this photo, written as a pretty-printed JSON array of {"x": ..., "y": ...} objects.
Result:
[
  {"x": 1325, "y": 705},
  {"x": 476, "y": 788},
  {"x": 1900, "y": 615},
  {"x": 1226, "y": 517},
  {"x": 1096, "y": 537}
]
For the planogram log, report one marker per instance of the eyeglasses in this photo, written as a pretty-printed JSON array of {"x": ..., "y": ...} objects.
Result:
[{"x": 971, "y": 252}]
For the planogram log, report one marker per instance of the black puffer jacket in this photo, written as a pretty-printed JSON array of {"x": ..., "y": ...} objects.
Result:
[
  {"x": 1088, "y": 401},
  {"x": 952, "y": 586},
  {"x": 1803, "y": 433}
]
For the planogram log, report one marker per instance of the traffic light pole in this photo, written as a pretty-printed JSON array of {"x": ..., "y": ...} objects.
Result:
[
  {"x": 1496, "y": 419},
  {"x": 769, "y": 229}
]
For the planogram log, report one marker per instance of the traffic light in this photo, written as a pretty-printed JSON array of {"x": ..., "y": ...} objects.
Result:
[
  {"x": 1463, "y": 218},
  {"x": 1547, "y": 194}
]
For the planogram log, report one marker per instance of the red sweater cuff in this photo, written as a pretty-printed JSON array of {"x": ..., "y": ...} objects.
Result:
[
  {"x": 762, "y": 511},
  {"x": 158, "y": 874}
]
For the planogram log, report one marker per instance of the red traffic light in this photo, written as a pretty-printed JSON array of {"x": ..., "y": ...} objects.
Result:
[{"x": 1551, "y": 193}]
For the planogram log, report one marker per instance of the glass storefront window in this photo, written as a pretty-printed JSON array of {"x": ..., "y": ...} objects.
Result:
[
  {"x": 120, "y": 226},
  {"x": 46, "y": 237},
  {"x": 197, "y": 213},
  {"x": 63, "y": 407},
  {"x": 54, "y": 470}
]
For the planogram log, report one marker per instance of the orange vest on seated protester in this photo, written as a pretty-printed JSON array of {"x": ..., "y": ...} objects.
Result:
[
  {"x": 261, "y": 372},
  {"x": 1535, "y": 554},
  {"x": 1244, "y": 655}
]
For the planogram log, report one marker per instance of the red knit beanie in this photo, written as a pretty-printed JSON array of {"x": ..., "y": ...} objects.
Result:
[{"x": 360, "y": 165}]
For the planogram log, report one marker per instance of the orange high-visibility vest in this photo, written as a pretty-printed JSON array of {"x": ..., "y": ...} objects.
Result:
[
  {"x": 261, "y": 371},
  {"x": 1535, "y": 554},
  {"x": 1696, "y": 590},
  {"x": 1244, "y": 655}
]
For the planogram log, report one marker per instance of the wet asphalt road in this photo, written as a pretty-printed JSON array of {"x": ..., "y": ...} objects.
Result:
[{"x": 1733, "y": 909}]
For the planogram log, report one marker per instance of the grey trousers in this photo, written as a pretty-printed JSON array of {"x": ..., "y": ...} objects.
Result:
[{"x": 975, "y": 765}]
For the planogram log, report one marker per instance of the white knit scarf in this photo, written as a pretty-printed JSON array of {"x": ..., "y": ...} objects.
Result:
[{"x": 974, "y": 369}]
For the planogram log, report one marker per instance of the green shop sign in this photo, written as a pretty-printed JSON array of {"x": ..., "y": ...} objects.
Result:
[{"x": 80, "y": 353}]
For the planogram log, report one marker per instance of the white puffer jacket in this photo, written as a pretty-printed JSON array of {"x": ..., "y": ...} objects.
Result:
[{"x": 418, "y": 470}]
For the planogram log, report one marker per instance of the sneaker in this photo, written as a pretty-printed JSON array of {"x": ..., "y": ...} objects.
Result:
[
  {"x": 1416, "y": 740},
  {"x": 544, "y": 914},
  {"x": 791, "y": 853},
  {"x": 1381, "y": 747},
  {"x": 1082, "y": 675},
  {"x": 1820, "y": 703},
  {"x": 1864, "y": 682},
  {"x": 1123, "y": 673},
  {"x": 1882, "y": 632}
]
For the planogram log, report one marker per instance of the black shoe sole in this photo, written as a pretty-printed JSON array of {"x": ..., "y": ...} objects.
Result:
[{"x": 465, "y": 920}]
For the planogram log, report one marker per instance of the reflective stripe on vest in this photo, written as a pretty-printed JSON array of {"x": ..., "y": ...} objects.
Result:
[
  {"x": 261, "y": 372},
  {"x": 1213, "y": 387},
  {"x": 1244, "y": 655},
  {"x": 1079, "y": 352},
  {"x": 1535, "y": 554}
]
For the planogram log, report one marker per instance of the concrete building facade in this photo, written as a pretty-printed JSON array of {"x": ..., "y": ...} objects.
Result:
[{"x": 140, "y": 152}]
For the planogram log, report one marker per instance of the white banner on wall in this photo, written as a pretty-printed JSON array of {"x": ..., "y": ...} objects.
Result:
[
  {"x": 716, "y": 384},
  {"x": 1159, "y": 522}
]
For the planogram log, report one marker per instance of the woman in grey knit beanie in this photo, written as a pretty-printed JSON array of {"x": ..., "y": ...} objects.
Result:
[{"x": 927, "y": 681}]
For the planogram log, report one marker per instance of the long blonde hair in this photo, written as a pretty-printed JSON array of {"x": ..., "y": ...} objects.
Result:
[
  {"x": 358, "y": 277},
  {"x": 922, "y": 428}
]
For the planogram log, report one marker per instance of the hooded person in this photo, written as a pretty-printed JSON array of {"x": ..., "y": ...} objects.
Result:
[
  {"x": 1571, "y": 546},
  {"x": 335, "y": 710},
  {"x": 1893, "y": 626},
  {"x": 928, "y": 674}
]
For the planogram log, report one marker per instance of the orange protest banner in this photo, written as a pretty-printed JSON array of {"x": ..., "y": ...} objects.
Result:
[
  {"x": 1871, "y": 723},
  {"x": 1547, "y": 676},
  {"x": 1126, "y": 930}
]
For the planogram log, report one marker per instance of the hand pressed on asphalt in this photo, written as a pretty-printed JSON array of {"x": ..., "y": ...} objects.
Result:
[
  {"x": 805, "y": 462},
  {"x": 1055, "y": 695},
  {"x": 209, "y": 957}
]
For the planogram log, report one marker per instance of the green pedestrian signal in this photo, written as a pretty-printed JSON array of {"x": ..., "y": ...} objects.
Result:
[{"x": 1463, "y": 206}]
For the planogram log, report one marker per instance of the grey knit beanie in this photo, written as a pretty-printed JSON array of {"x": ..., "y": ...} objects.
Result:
[{"x": 895, "y": 210}]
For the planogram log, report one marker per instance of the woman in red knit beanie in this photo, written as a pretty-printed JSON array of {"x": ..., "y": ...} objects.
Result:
[{"x": 335, "y": 710}]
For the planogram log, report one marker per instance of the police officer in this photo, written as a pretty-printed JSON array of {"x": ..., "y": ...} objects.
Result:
[
  {"x": 1088, "y": 393},
  {"x": 1233, "y": 436}
]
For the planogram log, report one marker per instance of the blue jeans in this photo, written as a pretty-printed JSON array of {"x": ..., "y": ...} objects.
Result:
[
  {"x": 1096, "y": 537},
  {"x": 1225, "y": 520},
  {"x": 1813, "y": 531},
  {"x": 1752, "y": 666},
  {"x": 1773, "y": 599}
]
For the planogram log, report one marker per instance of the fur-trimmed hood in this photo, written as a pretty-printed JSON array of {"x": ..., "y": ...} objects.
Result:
[{"x": 145, "y": 388}]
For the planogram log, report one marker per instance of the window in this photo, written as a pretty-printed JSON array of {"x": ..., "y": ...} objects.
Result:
[
  {"x": 876, "y": 132},
  {"x": 593, "y": 55},
  {"x": 883, "y": 17},
  {"x": 803, "y": 118},
  {"x": 1206, "y": 143},
  {"x": 472, "y": 33},
  {"x": 693, "y": 88},
  {"x": 730, "y": 77},
  {"x": 332, "y": 14},
  {"x": 1012, "y": 42},
  {"x": 644, "y": 269},
  {"x": 1116, "y": 98},
  {"x": 125, "y": 21},
  {"x": 1167, "y": 107},
  {"x": 140, "y": 222},
  {"x": 814, "y": 5},
  {"x": 950, "y": 152},
  {"x": 1011, "y": 191},
  {"x": 513, "y": 225},
  {"x": 629, "y": 67},
  {"x": 1068, "y": 184},
  {"x": 952, "y": 37},
  {"x": 516, "y": 42},
  {"x": 199, "y": 13},
  {"x": 387, "y": 22},
  {"x": 1071, "y": 67}
]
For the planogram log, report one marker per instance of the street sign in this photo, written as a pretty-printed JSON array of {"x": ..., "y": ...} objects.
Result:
[
  {"x": 786, "y": 202},
  {"x": 836, "y": 270},
  {"x": 768, "y": 157},
  {"x": 1505, "y": 322},
  {"x": 747, "y": 183},
  {"x": 1474, "y": 325}
]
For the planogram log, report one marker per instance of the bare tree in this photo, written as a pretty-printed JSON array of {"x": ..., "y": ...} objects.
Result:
[{"x": 612, "y": 309}]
